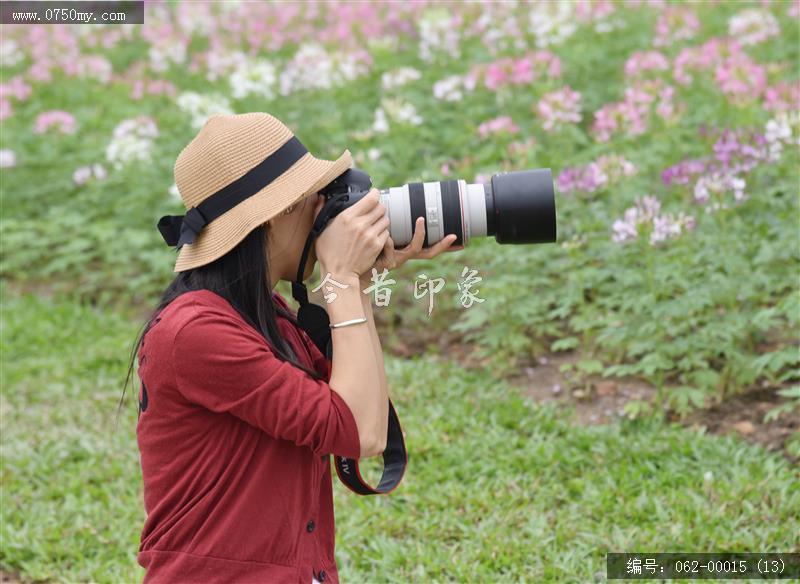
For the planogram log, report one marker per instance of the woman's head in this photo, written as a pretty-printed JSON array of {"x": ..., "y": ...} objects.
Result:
[{"x": 287, "y": 235}]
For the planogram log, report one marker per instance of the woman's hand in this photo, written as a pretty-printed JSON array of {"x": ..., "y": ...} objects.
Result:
[
  {"x": 391, "y": 258},
  {"x": 352, "y": 239}
]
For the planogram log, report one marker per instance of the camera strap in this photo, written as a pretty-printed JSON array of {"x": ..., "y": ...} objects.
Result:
[{"x": 315, "y": 321}]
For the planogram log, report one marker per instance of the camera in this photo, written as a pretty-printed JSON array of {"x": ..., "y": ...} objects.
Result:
[{"x": 514, "y": 207}]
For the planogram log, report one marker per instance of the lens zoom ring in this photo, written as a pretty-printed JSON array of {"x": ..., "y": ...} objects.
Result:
[
  {"x": 416, "y": 197},
  {"x": 451, "y": 210}
]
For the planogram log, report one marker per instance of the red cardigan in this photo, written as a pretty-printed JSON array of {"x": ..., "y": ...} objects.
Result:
[{"x": 235, "y": 449}]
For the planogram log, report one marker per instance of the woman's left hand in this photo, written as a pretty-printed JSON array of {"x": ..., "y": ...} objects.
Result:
[{"x": 391, "y": 258}]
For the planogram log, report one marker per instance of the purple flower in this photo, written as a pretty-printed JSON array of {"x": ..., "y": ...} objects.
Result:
[{"x": 683, "y": 172}]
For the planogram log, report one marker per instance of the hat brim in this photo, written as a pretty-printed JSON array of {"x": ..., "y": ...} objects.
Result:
[{"x": 307, "y": 175}]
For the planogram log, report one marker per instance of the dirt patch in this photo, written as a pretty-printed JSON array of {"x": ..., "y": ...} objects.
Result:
[
  {"x": 743, "y": 414},
  {"x": 595, "y": 400},
  {"x": 7, "y": 578}
]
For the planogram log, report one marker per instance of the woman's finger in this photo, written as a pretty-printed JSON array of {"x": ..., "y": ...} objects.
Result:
[
  {"x": 438, "y": 247},
  {"x": 389, "y": 254},
  {"x": 381, "y": 227},
  {"x": 375, "y": 214},
  {"x": 417, "y": 239}
]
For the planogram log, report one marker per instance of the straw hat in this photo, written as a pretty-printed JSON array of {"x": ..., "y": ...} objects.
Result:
[{"x": 255, "y": 168}]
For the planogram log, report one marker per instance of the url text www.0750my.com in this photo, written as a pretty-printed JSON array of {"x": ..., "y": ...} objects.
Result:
[{"x": 79, "y": 12}]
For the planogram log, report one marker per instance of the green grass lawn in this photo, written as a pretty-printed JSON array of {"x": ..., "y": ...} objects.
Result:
[{"x": 497, "y": 488}]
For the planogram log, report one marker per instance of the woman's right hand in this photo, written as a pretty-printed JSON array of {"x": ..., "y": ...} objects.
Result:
[{"x": 354, "y": 238}]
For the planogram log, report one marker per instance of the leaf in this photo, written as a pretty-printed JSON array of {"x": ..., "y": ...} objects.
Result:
[
  {"x": 565, "y": 344},
  {"x": 590, "y": 366}
]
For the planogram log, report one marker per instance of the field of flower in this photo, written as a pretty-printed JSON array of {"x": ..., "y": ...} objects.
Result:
[{"x": 673, "y": 134}]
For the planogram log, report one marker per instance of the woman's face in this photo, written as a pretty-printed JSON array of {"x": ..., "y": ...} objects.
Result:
[{"x": 287, "y": 237}]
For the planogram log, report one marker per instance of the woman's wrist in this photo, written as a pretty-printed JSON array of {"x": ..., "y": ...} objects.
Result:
[{"x": 345, "y": 302}]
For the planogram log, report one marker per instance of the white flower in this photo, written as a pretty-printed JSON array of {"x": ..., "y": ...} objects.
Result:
[
  {"x": 401, "y": 111},
  {"x": 7, "y": 158},
  {"x": 253, "y": 77},
  {"x": 230, "y": 5},
  {"x": 95, "y": 67},
  {"x": 782, "y": 130},
  {"x": 449, "y": 88},
  {"x": 132, "y": 140},
  {"x": 552, "y": 22},
  {"x": 219, "y": 63},
  {"x": 381, "y": 124},
  {"x": 498, "y": 27},
  {"x": 373, "y": 154},
  {"x": 623, "y": 231},
  {"x": 81, "y": 175},
  {"x": 719, "y": 183},
  {"x": 84, "y": 173},
  {"x": 10, "y": 53},
  {"x": 753, "y": 26},
  {"x": 437, "y": 34},
  {"x": 162, "y": 56},
  {"x": 313, "y": 67},
  {"x": 398, "y": 77},
  {"x": 201, "y": 107},
  {"x": 198, "y": 17}
]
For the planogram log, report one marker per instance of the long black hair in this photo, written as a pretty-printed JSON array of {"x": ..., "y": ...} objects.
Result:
[{"x": 241, "y": 277}]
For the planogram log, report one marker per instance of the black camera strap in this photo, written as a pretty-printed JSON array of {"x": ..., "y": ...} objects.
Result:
[{"x": 315, "y": 321}]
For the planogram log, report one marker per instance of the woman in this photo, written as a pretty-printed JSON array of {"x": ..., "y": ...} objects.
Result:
[{"x": 239, "y": 410}]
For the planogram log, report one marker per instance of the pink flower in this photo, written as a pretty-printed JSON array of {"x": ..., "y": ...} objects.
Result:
[
  {"x": 560, "y": 107},
  {"x": 495, "y": 76},
  {"x": 522, "y": 71},
  {"x": 15, "y": 87},
  {"x": 501, "y": 124},
  {"x": 675, "y": 23},
  {"x": 5, "y": 109},
  {"x": 40, "y": 71},
  {"x": 704, "y": 57},
  {"x": 646, "y": 217},
  {"x": 782, "y": 97},
  {"x": 645, "y": 61},
  {"x": 152, "y": 87},
  {"x": 64, "y": 121},
  {"x": 96, "y": 67},
  {"x": 741, "y": 77},
  {"x": 601, "y": 173},
  {"x": 631, "y": 115},
  {"x": 510, "y": 71}
]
